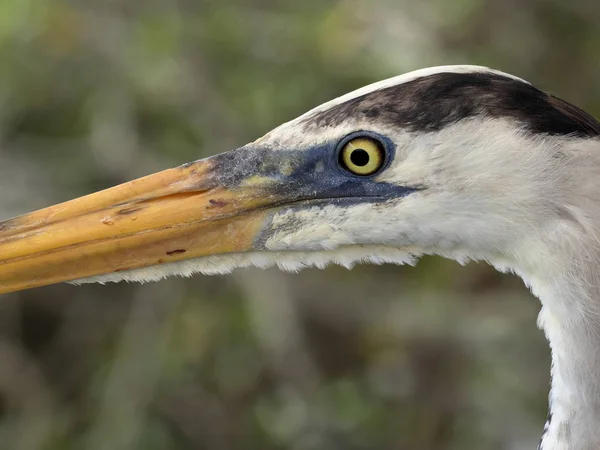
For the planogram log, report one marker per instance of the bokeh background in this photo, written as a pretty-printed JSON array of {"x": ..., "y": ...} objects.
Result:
[{"x": 95, "y": 93}]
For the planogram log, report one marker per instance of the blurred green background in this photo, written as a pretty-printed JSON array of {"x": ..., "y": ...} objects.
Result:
[{"x": 95, "y": 93}]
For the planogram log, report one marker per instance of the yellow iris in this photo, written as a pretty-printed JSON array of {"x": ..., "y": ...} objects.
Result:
[{"x": 362, "y": 156}]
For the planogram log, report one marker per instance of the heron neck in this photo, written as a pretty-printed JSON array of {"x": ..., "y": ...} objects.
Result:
[{"x": 570, "y": 318}]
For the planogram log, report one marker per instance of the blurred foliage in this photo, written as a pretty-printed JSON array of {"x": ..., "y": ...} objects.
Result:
[{"x": 96, "y": 93}]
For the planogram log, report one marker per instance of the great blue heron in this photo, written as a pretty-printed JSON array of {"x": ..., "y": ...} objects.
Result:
[{"x": 459, "y": 161}]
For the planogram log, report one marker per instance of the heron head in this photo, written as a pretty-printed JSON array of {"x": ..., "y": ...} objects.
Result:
[{"x": 461, "y": 161}]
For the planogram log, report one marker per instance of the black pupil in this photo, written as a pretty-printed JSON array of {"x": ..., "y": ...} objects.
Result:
[{"x": 359, "y": 157}]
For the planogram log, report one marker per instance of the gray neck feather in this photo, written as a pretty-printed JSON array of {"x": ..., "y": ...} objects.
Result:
[
  {"x": 570, "y": 318},
  {"x": 561, "y": 264},
  {"x": 574, "y": 403}
]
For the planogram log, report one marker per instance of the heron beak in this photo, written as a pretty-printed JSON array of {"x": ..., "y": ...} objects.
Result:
[
  {"x": 172, "y": 215},
  {"x": 223, "y": 204}
]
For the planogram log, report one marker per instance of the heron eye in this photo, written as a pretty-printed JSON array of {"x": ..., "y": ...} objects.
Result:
[{"x": 362, "y": 156}]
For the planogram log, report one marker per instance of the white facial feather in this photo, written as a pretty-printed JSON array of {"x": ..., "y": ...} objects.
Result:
[{"x": 290, "y": 261}]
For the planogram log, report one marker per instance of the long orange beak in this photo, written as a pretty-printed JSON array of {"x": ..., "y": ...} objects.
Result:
[
  {"x": 176, "y": 214},
  {"x": 224, "y": 204}
]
